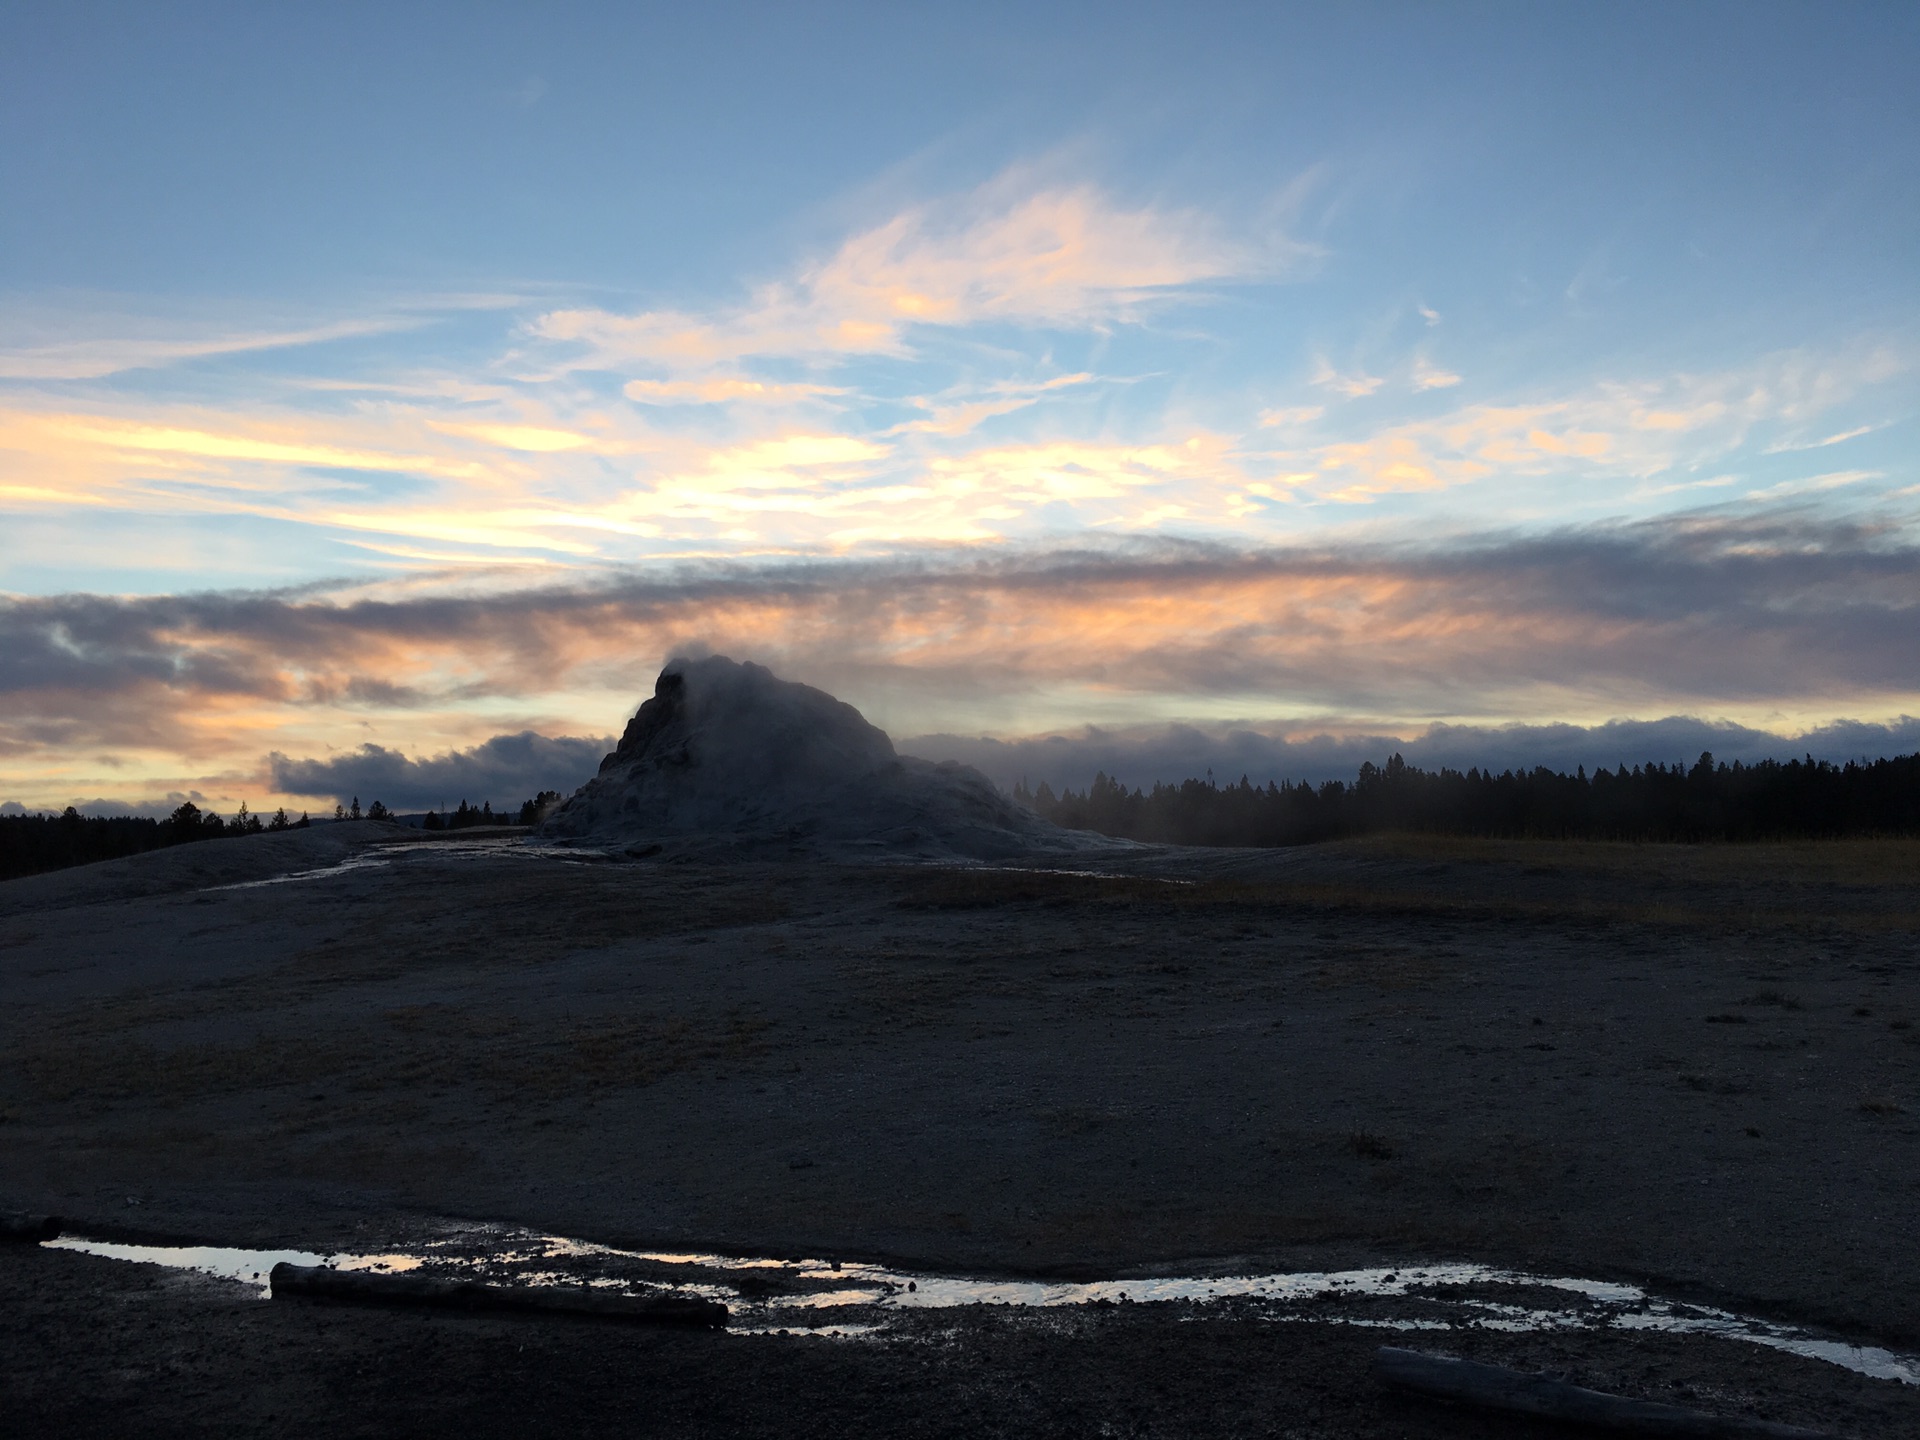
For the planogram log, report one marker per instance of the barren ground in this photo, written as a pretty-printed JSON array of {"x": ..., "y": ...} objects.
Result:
[{"x": 1695, "y": 1067}]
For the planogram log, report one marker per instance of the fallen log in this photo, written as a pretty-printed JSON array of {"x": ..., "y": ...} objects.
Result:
[
  {"x": 358, "y": 1287},
  {"x": 28, "y": 1229},
  {"x": 1493, "y": 1387}
]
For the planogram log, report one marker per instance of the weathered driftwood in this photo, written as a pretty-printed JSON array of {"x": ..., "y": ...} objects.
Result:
[
  {"x": 1492, "y": 1387},
  {"x": 28, "y": 1229},
  {"x": 359, "y": 1287}
]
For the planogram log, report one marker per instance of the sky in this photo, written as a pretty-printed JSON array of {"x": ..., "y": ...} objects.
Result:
[{"x": 386, "y": 392}]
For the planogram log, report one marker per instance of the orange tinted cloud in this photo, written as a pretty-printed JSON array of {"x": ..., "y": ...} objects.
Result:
[
  {"x": 1756, "y": 617},
  {"x": 516, "y": 476},
  {"x": 1428, "y": 376},
  {"x": 722, "y": 390},
  {"x": 1062, "y": 257},
  {"x": 534, "y": 439},
  {"x": 66, "y": 434}
]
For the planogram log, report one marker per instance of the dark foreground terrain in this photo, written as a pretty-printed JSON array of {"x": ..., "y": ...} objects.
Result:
[
  {"x": 1695, "y": 1068},
  {"x": 97, "y": 1347}
]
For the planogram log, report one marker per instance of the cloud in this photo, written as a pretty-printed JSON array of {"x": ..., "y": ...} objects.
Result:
[
  {"x": 722, "y": 390},
  {"x": 1813, "y": 484},
  {"x": 1428, "y": 376},
  {"x": 592, "y": 489},
  {"x": 1143, "y": 755},
  {"x": 1068, "y": 258},
  {"x": 1614, "y": 430},
  {"x": 401, "y": 474},
  {"x": 1353, "y": 386},
  {"x": 1068, "y": 471},
  {"x": 797, "y": 474},
  {"x": 961, "y": 411},
  {"x": 193, "y": 460},
  {"x": 98, "y": 357},
  {"x": 1717, "y": 482},
  {"x": 1594, "y": 277},
  {"x": 534, "y": 439},
  {"x": 501, "y": 771},
  {"x": 1738, "y": 615},
  {"x": 508, "y": 768},
  {"x": 210, "y": 445},
  {"x": 557, "y": 471},
  {"x": 1786, "y": 446}
]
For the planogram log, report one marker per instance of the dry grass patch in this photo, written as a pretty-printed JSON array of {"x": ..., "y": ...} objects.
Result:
[
  {"x": 450, "y": 1021},
  {"x": 129, "y": 1070},
  {"x": 1369, "y": 1146},
  {"x": 1065, "y": 1122},
  {"x": 903, "y": 998},
  {"x": 1412, "y": 895},
  {"x": 1856, "y": 886},
  {"x": 621, "y": 1053},
  {"x": 988, "y": 889},
  {"x": 528, "y": 916},
  {"x": 1386, "y": 968},
  {"x": 1892, "y": 861}
]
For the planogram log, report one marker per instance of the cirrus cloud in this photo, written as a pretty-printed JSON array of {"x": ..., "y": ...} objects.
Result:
[{"x": 1067, "y": 257}]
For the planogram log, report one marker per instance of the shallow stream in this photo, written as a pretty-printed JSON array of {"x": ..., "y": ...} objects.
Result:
[
  {"x": 388, "y": 853},
  {"x": 849, "y": 1299}
]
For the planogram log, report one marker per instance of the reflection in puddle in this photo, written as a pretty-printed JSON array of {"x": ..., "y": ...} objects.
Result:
[
  {"x": 851, "y": 1300},
  {"x": 249, "y": 1267},
  {"x": 494, "y": 848},
  {"x": 984, "y": 869},
  {"x": 344, "y": 867}
]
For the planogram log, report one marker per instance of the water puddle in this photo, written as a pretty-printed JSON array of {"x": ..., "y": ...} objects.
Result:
[
  {"x": 343, "y": 867},
  {"x": 985, "y": 869},
  {"x": 851, "y": 1300},
  {"x": 249, "y": 1267}
]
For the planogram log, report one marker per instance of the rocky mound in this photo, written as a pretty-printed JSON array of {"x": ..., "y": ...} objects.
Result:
[{"x": 726, "y": 758}]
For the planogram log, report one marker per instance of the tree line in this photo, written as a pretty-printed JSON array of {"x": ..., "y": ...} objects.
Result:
[
  {"x": 1767, "y": 799},
  {"x": 31, "y": 844},
  {"x": 531, "y": 812}
]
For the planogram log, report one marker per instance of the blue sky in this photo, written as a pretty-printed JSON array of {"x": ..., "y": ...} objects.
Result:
[{"x": 1274, "y": 340}]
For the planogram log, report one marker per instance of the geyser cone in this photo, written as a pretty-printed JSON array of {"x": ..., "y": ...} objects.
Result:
[{"x": 727, "y": 757}]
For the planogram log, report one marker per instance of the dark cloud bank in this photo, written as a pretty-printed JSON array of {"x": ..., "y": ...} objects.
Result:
[
  {"x": 503, "y": 771},
  {"x": 1683, "y": 614},
  {"x": 1178, "y": 752},
  {"x": 509, "y": 768},
  {"x": 1711, "y": 612}
]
